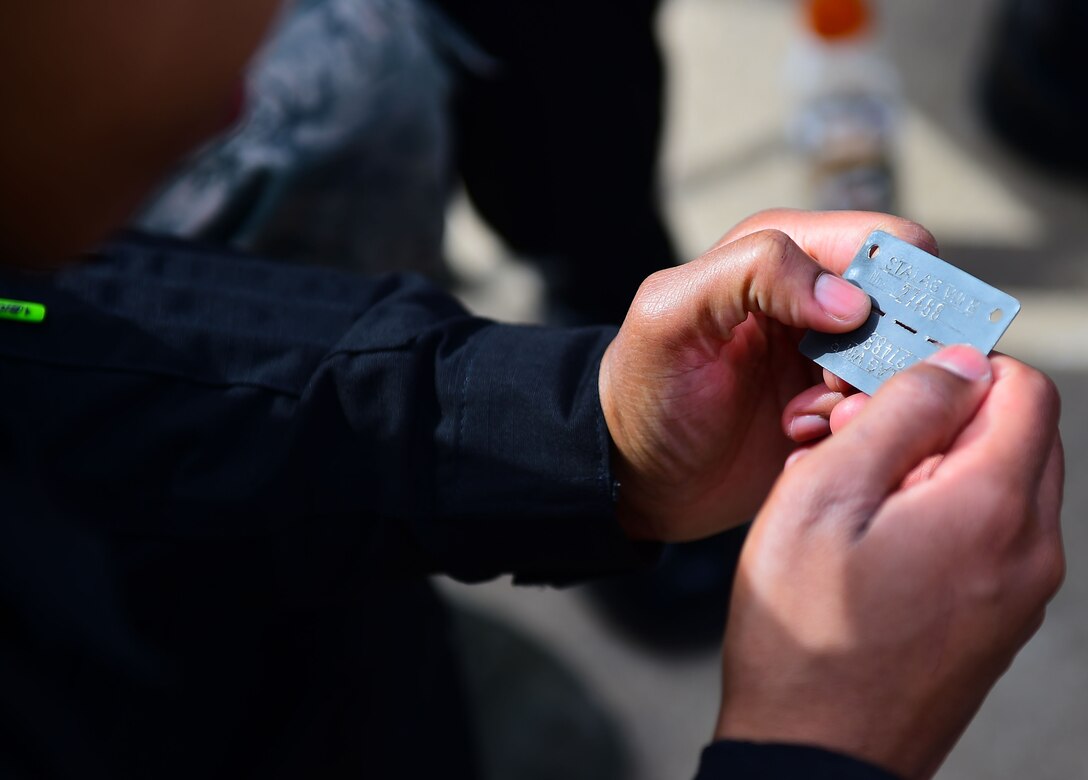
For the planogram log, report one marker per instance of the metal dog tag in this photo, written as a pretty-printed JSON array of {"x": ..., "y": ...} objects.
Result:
[{"x": 920, "y": 304}]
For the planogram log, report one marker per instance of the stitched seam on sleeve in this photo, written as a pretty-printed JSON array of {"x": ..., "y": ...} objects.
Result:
[{"x": 462, "y": 413}]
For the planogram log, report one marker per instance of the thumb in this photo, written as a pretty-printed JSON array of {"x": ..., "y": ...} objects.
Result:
[{"x": 764, "y": 272}]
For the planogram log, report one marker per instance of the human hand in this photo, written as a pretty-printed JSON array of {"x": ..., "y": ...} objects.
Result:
[
  {"x": 694, "y": 386},
  {"x": 898, "y": 567}
]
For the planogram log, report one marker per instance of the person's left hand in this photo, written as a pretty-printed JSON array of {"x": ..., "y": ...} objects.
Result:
[
  {"x": 896, "y": 569},
  {"x": 696, "y": 382}
]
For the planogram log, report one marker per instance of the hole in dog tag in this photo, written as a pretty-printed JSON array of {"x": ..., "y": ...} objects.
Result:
[{"x": 920, "y": 304}]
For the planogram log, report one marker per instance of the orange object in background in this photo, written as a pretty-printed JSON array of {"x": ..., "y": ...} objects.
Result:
[
  {"x": 837, "y": 18},
  {"x": 844, "y": 96}
]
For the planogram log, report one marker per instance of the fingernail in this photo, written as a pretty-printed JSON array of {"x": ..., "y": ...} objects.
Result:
[
  {"x": 963, "y": 360},
  {"x": 809, "y": 426},
  {"x": 839, "y": 298}
]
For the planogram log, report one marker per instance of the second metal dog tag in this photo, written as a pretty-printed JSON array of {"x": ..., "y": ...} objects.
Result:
[{"x": 920, "y": 304}]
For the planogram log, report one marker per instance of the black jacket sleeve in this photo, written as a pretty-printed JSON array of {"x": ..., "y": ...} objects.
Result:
[
  {"x": 184, "y": 392},
  {"x": 734, "y": 760},
  {"x": 221, "y": 481}
]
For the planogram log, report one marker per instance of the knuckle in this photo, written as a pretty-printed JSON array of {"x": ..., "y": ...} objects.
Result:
[
  {"x": 1030, "y": 382},
  {"x": 1052, "y": 569},
  {"x": 1031, "y": 392},
  {"x": 1020, "y": 558},
  {"x": 1043, "y": 390},
  {"x": 769, "y": 247},
  {"x": 657, "y": 295},
  {"x": 989, "y": 586},
  {"x": 766, "y": 262},
  {"x": 1008, "y": 521}
]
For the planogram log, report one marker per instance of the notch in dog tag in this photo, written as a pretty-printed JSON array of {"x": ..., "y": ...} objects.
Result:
[{"x": 920, "y": 304}]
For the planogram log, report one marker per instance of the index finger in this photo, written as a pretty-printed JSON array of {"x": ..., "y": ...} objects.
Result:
[{"x": 832, "y": 237}]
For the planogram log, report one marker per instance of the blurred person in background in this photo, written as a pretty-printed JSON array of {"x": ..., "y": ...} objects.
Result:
[{"x": 362, "y": 113}]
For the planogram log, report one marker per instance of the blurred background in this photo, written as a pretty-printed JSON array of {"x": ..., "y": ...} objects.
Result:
[{"x": 614, "y": 707}]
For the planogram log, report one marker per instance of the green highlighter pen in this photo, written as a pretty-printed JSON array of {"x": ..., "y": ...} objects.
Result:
[{"x": 21, "y": 311}]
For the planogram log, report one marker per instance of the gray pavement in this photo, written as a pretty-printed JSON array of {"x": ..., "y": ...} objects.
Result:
[{"x": 993, "y": 214}]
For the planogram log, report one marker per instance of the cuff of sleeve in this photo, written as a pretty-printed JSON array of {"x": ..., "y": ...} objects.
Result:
[
  {"x": 766, "y": 761},
  {"x": 527, "y": 486}
]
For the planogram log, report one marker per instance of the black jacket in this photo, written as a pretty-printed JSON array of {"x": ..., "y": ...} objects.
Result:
[{"x": 223, "y": 482}]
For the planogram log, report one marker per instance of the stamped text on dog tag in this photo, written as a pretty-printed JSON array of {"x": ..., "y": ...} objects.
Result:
[{"x": 920, "y": 304}]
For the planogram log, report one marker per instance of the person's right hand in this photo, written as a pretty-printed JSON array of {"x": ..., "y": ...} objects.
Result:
[
  {"x": 694, "y": 386},
  {"x": 899, "y": 565}
]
